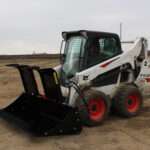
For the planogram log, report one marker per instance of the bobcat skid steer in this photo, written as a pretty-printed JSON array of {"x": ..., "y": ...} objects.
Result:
[{"x": 95, "y": 75}]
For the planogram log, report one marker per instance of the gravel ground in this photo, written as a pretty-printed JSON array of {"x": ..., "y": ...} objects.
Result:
[{"x": 115, "y": 134}]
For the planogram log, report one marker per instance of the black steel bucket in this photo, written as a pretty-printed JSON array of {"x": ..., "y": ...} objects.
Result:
[{"x": 43, "y": 117}]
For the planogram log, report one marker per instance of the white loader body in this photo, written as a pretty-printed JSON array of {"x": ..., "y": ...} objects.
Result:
[{"x": 127, "y": 57}]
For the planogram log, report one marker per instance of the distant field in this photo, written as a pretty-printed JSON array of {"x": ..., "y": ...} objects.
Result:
[{"x": 33, "y": 56}]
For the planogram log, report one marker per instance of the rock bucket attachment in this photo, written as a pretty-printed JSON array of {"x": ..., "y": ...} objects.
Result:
[{"x": 42, "y": 115}]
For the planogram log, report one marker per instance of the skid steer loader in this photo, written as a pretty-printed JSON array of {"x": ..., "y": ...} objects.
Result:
[{"x": 95, "y": 76}]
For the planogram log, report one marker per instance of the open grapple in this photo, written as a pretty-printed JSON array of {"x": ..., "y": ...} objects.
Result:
[{"x": 42, "y": 115}]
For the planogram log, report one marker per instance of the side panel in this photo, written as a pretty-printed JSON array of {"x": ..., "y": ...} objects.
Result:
[{"x": 107, "y": 78}]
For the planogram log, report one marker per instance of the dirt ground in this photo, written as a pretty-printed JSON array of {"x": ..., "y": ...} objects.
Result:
[{"x": 115, "y": 134}]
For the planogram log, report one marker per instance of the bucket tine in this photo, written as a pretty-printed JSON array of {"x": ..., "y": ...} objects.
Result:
[
  {"x": 51, "y": 84},
  {"x": 28, "y": 79}
]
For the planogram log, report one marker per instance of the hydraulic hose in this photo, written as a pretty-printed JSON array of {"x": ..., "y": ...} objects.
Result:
[{"x": 78, "y": 90}]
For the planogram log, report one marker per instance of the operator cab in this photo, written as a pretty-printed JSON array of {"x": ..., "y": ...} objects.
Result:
[{"x": 84, "y": 49}]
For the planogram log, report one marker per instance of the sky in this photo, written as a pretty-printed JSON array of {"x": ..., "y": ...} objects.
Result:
[{"x": 28, "y": 26}]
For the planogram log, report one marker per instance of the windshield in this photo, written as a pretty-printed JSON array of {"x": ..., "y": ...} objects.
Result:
[{"x": 73, "y": 50}]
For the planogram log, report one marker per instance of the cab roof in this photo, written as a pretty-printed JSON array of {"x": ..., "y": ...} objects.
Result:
[{"x": 87, "y": 33}]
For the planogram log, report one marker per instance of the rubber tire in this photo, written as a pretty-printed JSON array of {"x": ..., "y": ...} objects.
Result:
[
  {"x": 92, "y": 94},
  {"x": 119, "y": 101}
]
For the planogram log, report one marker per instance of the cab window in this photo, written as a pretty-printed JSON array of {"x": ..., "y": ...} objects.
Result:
[{"x": 101, "y": 49}]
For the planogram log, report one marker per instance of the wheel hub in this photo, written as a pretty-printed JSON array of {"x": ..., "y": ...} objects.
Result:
[
  {"x": 97, "y": 109},
  {"x": 133, "y": 103}
]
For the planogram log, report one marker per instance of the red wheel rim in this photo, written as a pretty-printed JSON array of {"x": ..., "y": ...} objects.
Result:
[
  {"x": 97, "y": 109},
  {"x": 133, "y": 103}
]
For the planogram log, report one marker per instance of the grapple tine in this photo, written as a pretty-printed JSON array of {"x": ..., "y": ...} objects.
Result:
[{"x": 51, "y": 84}]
